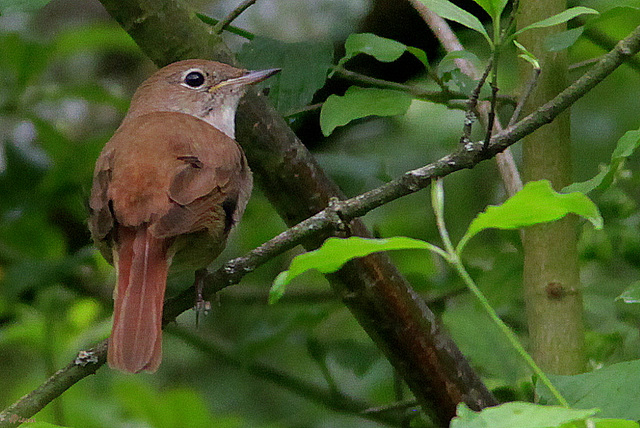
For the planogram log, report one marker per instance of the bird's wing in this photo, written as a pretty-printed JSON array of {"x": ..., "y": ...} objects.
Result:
[{"x": 172, "y": 171}]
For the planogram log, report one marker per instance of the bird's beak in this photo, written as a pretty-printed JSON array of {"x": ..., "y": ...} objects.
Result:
[{"x": 249, "y": 78}]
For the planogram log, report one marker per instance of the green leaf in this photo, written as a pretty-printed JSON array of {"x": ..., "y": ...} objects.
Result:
[
  {"x": 563, "y": 40},
  {"x": 493, "y": 7},
  {"x": 559, "y": 18},
  {"x": 536, "y": 203},
  {"x": 518, "y": 414},
  {"x": 335, "y": 252},
  {"x": 625, "y": 147},
  {"x": 420, "y": 54},
  {"x": 612, "y": 389},
  {"x": 304, "y": 69},
  {"x": 527, "y": 56},
  {"x": 450, "y": 11},
  {"x": 361, "y": 102},
  {"x": 381, "y": 48}
]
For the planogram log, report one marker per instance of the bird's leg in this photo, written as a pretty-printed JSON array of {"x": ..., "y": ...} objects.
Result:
[{"x": 201, "y": 305}]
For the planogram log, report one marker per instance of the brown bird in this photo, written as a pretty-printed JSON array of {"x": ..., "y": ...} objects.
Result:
[{"x": 167, "y": 189}]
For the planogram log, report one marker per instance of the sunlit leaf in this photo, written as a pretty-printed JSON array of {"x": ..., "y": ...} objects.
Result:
[
  {"x": 536, "y": 203},
  {"x": 335, "y": 252},
  {"x": 361, "y": 102},
  {"x": 450, "y": 11},
  {"x": 304, "y": 69}
]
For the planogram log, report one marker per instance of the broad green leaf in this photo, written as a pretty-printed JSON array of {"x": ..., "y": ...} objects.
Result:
[
  {"x": 625, "y": 147},
  {"x": 304, "y": 69},
  {"x": 335, "y": 252},
  {"x": 450, "y": 11},
  {"x": 614, "y": 389},
  {"x": 559, "y": 18},
  {"x": 381, "y": 48},
  {"x": 361, "y": 102},
  {"x": 518, "y": 414},
  {"x": 536, "y": 203},
  {"x": 493, "y": 7}
]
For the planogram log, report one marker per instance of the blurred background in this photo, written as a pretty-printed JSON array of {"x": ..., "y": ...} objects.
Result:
[{"x": 67, "y": 72}]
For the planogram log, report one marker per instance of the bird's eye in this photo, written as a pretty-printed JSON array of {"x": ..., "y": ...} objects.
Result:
[{"x": 194, "y": 79}]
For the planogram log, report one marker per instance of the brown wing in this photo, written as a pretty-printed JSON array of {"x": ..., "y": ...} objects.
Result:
[{"x": 172, "y": 171}]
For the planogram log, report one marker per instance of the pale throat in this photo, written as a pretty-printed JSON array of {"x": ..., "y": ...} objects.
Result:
[{"x": 223, "y": 118}]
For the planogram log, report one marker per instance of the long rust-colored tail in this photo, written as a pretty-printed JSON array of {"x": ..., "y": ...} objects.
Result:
[{"x": 136, "y": 338}]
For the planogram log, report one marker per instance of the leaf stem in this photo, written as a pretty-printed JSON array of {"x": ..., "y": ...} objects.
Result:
[{"x": 453, "y": 257}]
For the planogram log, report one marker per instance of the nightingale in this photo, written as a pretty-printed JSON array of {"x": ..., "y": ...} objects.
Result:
[{"x": 167, "y": 189}]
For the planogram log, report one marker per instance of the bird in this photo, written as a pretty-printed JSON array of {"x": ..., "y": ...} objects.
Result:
[{"x": 168, "y": 187}]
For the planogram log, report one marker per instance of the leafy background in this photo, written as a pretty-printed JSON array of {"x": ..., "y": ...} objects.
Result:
[{"x": 67, "y": 72}]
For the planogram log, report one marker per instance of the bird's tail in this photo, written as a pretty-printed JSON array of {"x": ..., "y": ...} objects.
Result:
[{"x": 136, "y": 338}]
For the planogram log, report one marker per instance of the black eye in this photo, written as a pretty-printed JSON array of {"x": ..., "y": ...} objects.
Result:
[{"x": 194, "y": 79}]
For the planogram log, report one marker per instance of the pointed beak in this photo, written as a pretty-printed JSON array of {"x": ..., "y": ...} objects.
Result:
[
  {"x": 257, "y": 76},
  {"x": 249, "y": 78}
]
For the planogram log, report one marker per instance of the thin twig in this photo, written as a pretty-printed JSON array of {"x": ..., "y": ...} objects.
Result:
[
  {"x": 472, "y": 104},
  {"x": 441, "y": 97},
  {"x": 230, "y": 28},
  {"x": 220, "y": 26},
  {"x": 491, "y": 118},
  {"x": 525, "y": 96},
  {"x": 399, "y": 405}
]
